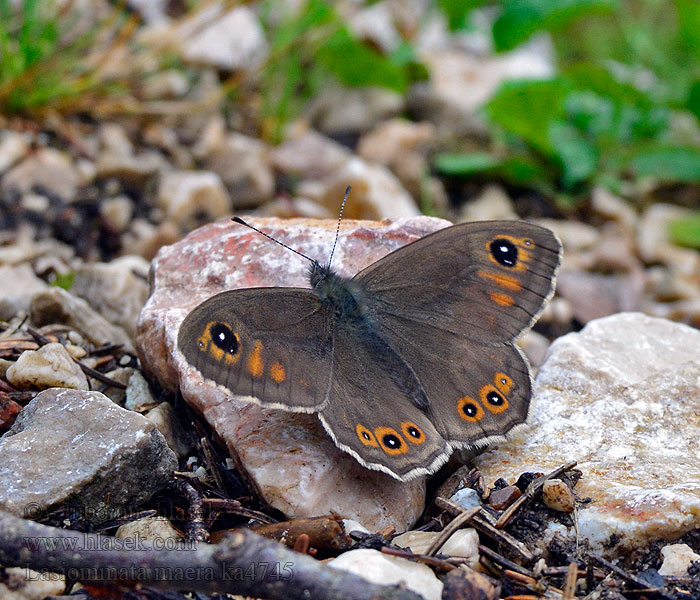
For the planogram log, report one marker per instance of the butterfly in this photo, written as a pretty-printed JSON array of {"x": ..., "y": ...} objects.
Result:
[{"x": 409, "y": 359}]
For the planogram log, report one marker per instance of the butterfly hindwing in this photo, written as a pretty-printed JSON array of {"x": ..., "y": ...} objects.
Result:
[
  {"x": 273, "y": 345},
  {"x": 369, "y": 413}
]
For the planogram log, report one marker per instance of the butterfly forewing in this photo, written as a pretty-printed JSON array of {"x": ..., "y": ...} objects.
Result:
[
  {"x": 271, "y": 344},
  {"x": 486, "y": 281}
]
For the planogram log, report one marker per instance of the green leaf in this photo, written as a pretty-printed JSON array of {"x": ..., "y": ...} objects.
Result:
[
  {"x": 688, "y": 12},
  {"x": 686, "y": 231},
  {"x": 465, "y": 164},
  {"x": 668, "y": 164},
  {"x": 521, "y": 18},
  {"x": 356, "y": 64},
  {"x": 526, "y": 108},
  {"x": 64, "y": 280},
  {"x": 693, "y": 102},
  {"x": 457, "y": 11},
  {"x": 578, "y": 157}
]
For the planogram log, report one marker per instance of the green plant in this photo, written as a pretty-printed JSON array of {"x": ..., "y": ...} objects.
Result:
[
  {"x": 312, "y": 46},
  {"x": 610, "y": 115}
]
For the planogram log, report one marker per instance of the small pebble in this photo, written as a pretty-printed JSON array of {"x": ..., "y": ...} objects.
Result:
[
  {"x": 466, "y": 498},
  {"x": 503, "y": 498},
  {"x": 677, "y": 560},
  {"x": 558, "y": 496}
]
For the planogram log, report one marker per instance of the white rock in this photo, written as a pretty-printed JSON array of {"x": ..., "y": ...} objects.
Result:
[
  {"x": 309, "y": 154},
  {"x": 117, "y": 212},
  {"x": 116, "y": 290},
  {"x": 13, "y": 146},
  {"x": 228, "y": 40},
  {"x": 558, "y": 496},
  {"x": 492, "y": 203},
  {"x": 466, "y": 498},
  {"x": 190, "y": 198},
  {"x": 19, "y": 283},
  {"x": 46, "y": 167},
  {"x": 243, "y": 163},
  {"x": 138, "y": 394},
  {"x": 50, "y": 366},
  {"x": 148, "y": 528},
  {"x": 24, "y": 584},
  {"x": 163, "y": 416},
  {"x": 376, "y": 192},
  {"x": 382, "y": 569},
  {"x": 463, "y": 543},
  {"x": 616, "y": 397},
  {"x": 677, "y": 559}
]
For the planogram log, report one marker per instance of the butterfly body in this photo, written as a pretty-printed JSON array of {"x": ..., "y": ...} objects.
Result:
[{"x": 403, "y": 362}]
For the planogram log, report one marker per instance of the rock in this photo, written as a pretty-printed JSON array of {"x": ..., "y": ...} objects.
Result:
[
  {"x": 55, "y": 305},
  {"x": 116, "y": 290},
  {"x": 492, "y": 204},
  {"x": 19, "y": 583},
  {"x": 226, "y": 39},
  {"x": 79, "y": 448},
  {"x": 616, "y": 397},
  {"x": 19, "y": 284},
  {"x": 377, "y": 23},
  {"x": 152, "y": 11},
  {"x": 466, "y": 584},
  {"x": 594, "y": 295},
  {"x": 117, "y": 212},
  {"x": 46, "y": 168},
  {"x": 376, "y": 192},
  {"x": 308, "y": 154},
  {"x": 466, "y": 498},
  {"x": 338, "y": 109},
  {"x": 382, "y": 569},
  {"x": 243, "y": 163},
  {"x": 461, "y": 82},
  {"x": 138, "y": 394},
  {"x": 677, "y": 559},
  {"x": 50, "y": 366},
  {"x": 610, "y": 206},
  {"x": 191, "y": 198},
  {"x": 122, "y": 375},
  {"x": 151, "y": 529},
  {"x": 164, "y": 418},
  {"x": 117, "y": 158},
  {"x": 463, "y": 543},
  {"x": 13, "y": 147},
  {"x": 403, "y": 147},
  {"x": 144, "y": 238},
  {"x": 502, "y": 498},
  {"x": 535, "y": 345},
  {"x": 558, "y": 496},
  {"x": 289, "y": 457}
]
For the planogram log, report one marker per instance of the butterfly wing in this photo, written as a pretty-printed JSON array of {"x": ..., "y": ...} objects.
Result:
[
  {"x": 451, "y": 305},
  {"x": 487, "y": 281},
  {"x": 271, "y": 344},
  {"x": 369, "y": 414}
]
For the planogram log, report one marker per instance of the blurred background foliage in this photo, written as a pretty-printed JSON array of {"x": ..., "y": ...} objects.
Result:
[{"x": 622, "y": 109}]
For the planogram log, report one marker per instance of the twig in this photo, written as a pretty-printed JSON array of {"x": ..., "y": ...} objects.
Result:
[
  {"x": 451, "y": 527},
  {"x": 569, "y": 589},
  {"x": 530, "y": 493},
  {"x": 643, "y": 585},
  {"x": 244, "y": 563},
  {"x": 195, "y": 513},
  {"x": 481, "y": 524},
  {"x": 236, "y": 508}
]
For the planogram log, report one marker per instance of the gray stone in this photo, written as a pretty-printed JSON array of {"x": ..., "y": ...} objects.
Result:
[
  {"x": 79, "y": 448},
  {"x": 47, "y": 168},
  {"x": 13, "y": 146}
]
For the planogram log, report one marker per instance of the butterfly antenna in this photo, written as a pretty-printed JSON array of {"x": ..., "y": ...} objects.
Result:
[
  {"x": 337, "y": 230},
  {"x": 269, "y": 237}
]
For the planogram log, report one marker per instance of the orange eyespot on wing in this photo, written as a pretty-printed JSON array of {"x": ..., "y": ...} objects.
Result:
[
  {"x": 503, "y": 382},
  {"x": 220, "y": 342},
  {"x": 390, "y": 441},
  {"x": 493, "y": 399},
  {"x": 510, "y": 252},
  {"x": 366, "y": 436},
  {"x": 412, "y": 432},
  {"x": 469, "y": 409}
]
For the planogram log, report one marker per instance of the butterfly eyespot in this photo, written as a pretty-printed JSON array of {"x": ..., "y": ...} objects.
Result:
[
  {"x": 412, "y": 432},
  {"x": 492, "y": 399},
  {"x": 223, "y": 337},
  {"x": 469, "y": 409},
  {"x": 366, "y": 436},
  {"x": 390, "y": 440},
  {"x": 528, "y": 242},
  {"x": 503, "y": 382},
  {"x": 504, "y": 252}
]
